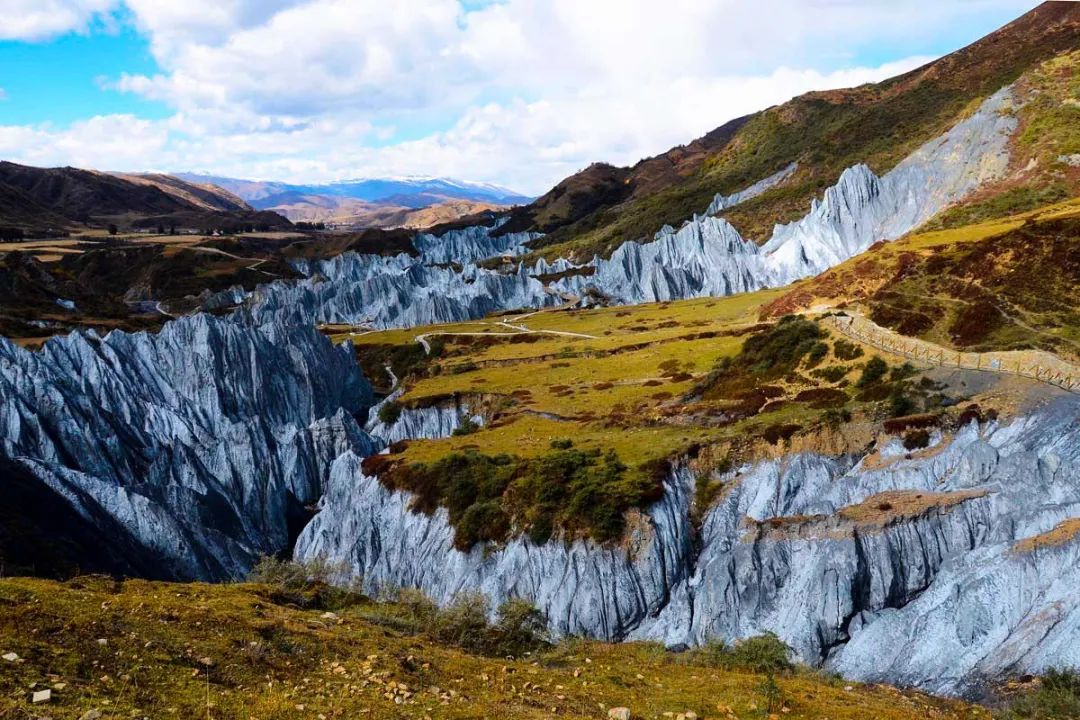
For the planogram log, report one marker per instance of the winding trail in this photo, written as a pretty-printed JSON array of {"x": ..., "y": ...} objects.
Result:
[
  {"x": 513, "y": 324},
  {"x": 255, "y": 262},
  {"x": 1035, "y": 364}
]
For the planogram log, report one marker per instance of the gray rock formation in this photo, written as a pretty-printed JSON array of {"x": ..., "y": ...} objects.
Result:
[
  {"x": 909, "y": 569},
  {"x": 584, "y": 588},
  {"x": 437, "y": 421},
  {"x": 707, "y": 256},
  {"x": 723, "y": 202},
  {"x": 203, "y": 442},
  {"x": 396, "y": 292},
  {"x": 472, "y": 244}
]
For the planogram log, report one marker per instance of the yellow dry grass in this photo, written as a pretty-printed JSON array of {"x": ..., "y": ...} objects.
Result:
[{"x": 223, "y": 652}]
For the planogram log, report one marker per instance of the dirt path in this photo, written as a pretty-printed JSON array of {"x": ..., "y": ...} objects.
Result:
[
  {"x": 255, "y": 262},
  {"x": 513, "y": 324},
  {"x": 1036, "y": 364}
]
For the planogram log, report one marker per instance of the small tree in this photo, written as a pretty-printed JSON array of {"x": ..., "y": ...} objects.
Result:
[{"x": 113, "y": 229}]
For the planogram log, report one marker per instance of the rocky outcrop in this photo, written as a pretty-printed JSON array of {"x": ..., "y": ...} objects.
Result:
[
  {"x": 421, "y": 423},
  {"x": 583, "y": 588},
  {"x": 862, "y": 208},
  {"x": 472, "y": 244},
  {"x": 203, "y": 443},
  {"x": 396, "y": 292},
  {"x": 724, "y": 202},
  {"x": 707, "y": 256},
  {"x": 704, "y": 257},
  {"x": 901, "y": 567}
]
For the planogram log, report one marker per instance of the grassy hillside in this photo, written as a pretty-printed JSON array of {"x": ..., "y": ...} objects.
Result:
[
  {"x": 584, "y": 409},
  {"x": 1001, "y": 284},
  {"x": 107, "y": 649},
  {"x": 825, "y": 132}
]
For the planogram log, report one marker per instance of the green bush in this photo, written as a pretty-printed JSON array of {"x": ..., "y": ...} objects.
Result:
[
  {"x": 873, "y": 371},
  {"x": 389, "y": 412},
  {"x": 481, "y": 522},
  {"x": 817, "y": 353},
  {"x": 900, "y": 403},
  {"x": 464, "y": 622},
  {"x": 578, "y": 490},
  {"x": 1056, "y": 698},
  {"x": 519, "y": 628},
  {"x": 778, "y": 350},
  {"x": 314, "y": 584},
  {"x": 832, "y": 373},
  {"x": 835, "y": 417},
  {"x": 844, "y": 350},
  {"x": 766, "y": 654},
  {"x": 467, "y": 426},
  {"x": 902, "y": 372},
  {"x": 293, "y": 575}
]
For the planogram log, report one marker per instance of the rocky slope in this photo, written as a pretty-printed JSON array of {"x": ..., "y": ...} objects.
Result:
[
  {"x": 706, "y": 257},
  {"x": 934, "y": 569}
]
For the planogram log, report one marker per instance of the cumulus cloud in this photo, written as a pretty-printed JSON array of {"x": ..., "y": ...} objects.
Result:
[
  {"x": 35, "y": 20},
  {"x": 520, "y": 91}
]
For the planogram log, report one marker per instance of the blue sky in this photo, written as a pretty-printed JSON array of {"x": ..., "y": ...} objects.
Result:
[
  {"x": 520, "y": 92},
  {"x": 35, "y": 75}
]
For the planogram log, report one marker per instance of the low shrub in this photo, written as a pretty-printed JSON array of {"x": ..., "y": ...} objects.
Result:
[
  {"x": 519, "y": 627},
  {"x": 466, "y": 426},
  {"x": 313, "y": 584},
  {"x": 832, "y": 373},
  {"x": 817, "y": 353},
  {"x": 766, "y": 654},
  {"x": 389, "y": 412},
  {"x": 873, "y": 371},
  {"x": 845, "y": 350},
  {"x": 1057, "y": 697}
]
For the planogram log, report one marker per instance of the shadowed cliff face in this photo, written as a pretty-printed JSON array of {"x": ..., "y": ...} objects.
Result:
[{"x": 199, "y": 442}]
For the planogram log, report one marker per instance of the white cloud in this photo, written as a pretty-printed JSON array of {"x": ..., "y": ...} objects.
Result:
[
  {"x": 525, "y": 91},
  {"x": 41, "y": 19},
  {"x": 3, "y": 94}
]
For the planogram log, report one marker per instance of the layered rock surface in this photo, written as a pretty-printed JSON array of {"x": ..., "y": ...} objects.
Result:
[
  {"x": 472, "y": 244},
  {"x": 396, "y": 292},
  {"x": 898, "y": 567},
  {"x": 202, "y": 443}
]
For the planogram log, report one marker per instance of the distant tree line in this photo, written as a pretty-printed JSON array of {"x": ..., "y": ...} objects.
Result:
[
  {"x": 237, "y": 228},
  {"x": 310, "y": 225}
]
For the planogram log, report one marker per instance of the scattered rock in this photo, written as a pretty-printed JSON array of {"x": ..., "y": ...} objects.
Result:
[
  {"x": 10, "y": 657},
  {"x": 618, "y": 713},
  {"x": 91, "y": 715},
  {"x": 41, "y": 696}
]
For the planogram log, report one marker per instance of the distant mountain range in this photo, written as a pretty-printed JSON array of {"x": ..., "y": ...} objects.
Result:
[
  {"x": 369, "y": 202},
  {"x": 50, "y": 199},
  {"x": 44, "y": 199}
]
